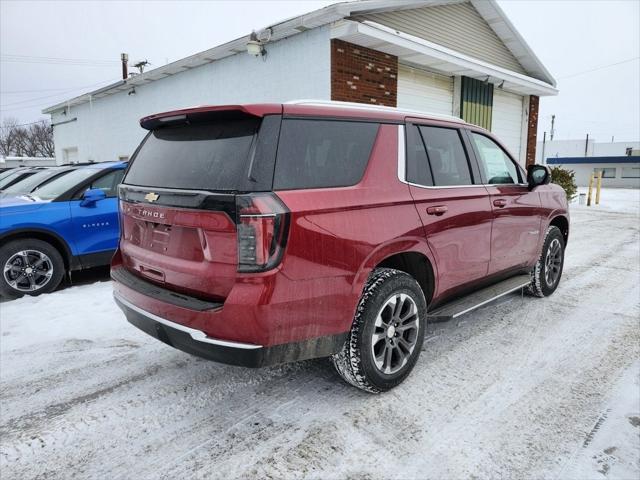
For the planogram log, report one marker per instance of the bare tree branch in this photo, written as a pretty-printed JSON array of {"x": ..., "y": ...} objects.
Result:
[{"x": 33, "y": 140}]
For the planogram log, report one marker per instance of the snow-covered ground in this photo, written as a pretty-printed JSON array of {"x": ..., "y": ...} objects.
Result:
[{"x": 523, "y": 388}]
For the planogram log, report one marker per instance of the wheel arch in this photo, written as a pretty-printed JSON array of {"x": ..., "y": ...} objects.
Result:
[
  {"x": 70, "y": 262},
  {"x": 411, "y": 256},
  {"x": 418, "y": 266},
  {"x": 562, "y": 222}
]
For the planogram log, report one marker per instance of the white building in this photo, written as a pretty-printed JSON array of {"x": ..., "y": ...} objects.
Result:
[
  {"x": 619, "y": 162},
  {"x": 6, "y": 162},
  {"x": 617, "y": 172},
  {"x": 462, "y": 58},
  {"x": 583, "y": 148}
]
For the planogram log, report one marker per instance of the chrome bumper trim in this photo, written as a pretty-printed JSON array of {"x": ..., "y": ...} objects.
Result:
[{"x": 197, "y": 335}]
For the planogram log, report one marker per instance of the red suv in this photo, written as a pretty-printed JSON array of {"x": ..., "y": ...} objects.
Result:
[{"x": 261, "y": 234}]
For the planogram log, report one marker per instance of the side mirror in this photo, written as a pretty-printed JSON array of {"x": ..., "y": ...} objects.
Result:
[
  {"x": 91, "y": 196},
  {"x": 538, "y": 175}
]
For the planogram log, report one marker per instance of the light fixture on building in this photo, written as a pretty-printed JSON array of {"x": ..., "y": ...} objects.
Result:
[
  {"x": 501, "y": 86},
  {"x": 254, "y": 46},
  {"x": 132, "y": 91},
  {"x": 486, "y": 80}
]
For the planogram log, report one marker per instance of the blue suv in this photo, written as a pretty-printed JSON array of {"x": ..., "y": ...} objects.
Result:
[{"x": 70, "y": 223}]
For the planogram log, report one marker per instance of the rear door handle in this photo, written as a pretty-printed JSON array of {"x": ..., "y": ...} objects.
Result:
[
  {"x": 500, "y": 202},
  {"x": 438, "y": 210}
]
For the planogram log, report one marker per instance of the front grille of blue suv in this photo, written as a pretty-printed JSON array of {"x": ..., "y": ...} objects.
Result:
[{"x": 67, "y": 224}]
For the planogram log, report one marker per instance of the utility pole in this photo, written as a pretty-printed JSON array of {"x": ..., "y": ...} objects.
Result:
[
  {"x": 553, "y": 121},
  {"x": 586, "y": 146},
  {"x": 544, "y": 144}
]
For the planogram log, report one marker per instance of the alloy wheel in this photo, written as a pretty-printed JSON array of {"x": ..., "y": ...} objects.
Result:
[
  {"x": 553, "y": 262},
  {"x": 28, "y": 270},
  {"x": 395, "y": 333}
]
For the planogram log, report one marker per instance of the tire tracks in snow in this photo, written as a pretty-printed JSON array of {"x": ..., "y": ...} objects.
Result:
[{"x": 510, "y": 390}]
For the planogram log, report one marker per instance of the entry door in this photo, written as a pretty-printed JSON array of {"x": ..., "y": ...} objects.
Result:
[
  {"x": 96, "y": 226},
  {"x": 455, "y": 212},
  {"x": 517, "y": 215}
]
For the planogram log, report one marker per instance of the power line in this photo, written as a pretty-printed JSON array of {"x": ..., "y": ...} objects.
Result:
[
  {"x": 7, "y": 58},
  {"x": 37, "y": 104},
  {"x": 598, "y": 68},
  {"x": 2, "y": 127},
  {"x": 20, "y": 102},
  {"x": 18, "y": 92}
]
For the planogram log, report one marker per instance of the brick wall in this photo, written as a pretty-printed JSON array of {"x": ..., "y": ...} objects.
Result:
[
  {"x": 363, "y": 75},
  {"x": 532, "y": 129}
]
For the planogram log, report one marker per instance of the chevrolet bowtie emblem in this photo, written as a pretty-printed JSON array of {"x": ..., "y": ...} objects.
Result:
[{"x": 151, "y": 197}]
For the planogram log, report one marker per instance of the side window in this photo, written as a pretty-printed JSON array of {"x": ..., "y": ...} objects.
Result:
[
  {"x": 418, "y": 170},
  {"x": 109, "y": 182},
  {"x": 607, "y": 172},
  {"x": 322, "y": 153},
  {"x": 497, "y": 165},
  {"x": 447, "y": 157}
]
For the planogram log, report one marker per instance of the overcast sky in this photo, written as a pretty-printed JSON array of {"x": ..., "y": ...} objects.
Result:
[{"x": 572, "y": 38}]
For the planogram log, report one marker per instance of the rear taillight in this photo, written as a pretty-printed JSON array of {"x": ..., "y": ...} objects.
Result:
[{"x": 263, "y": 222}]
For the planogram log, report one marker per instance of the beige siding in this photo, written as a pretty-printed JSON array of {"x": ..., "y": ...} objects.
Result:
[
  {"x": 507, "y": 120},
  {"x": 458, "y": 27},
  {"x": 425, "y": 91}
]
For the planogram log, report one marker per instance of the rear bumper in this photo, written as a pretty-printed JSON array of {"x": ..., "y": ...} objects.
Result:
[{"x": 196, "y": 342}]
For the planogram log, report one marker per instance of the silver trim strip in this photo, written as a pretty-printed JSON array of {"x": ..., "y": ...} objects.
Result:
[
  {"x": 402, "y": 170},
  {"x": 402, "y": 160},
  {"x": 197, "y": 335},
  {"x": 257, "y": 215},
  {"x": 490, "y": 300},
  {"x": 191, "y": 193}
]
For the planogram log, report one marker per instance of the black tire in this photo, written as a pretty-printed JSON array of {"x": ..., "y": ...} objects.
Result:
[
  {"x": 356, "y": 362},
  {"x": 546, "y": 275},
  {"x": 30, "y": 271}
]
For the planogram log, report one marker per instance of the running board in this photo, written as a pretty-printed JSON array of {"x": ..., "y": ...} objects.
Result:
[{"x": 477, "y": 299}]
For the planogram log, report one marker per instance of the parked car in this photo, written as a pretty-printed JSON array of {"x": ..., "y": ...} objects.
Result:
[
  {"x": 262, "y": 234},
  {"x": 13, "y": 176},
  {"x": 67, "y": 224},
  {"x": 31, "y": 183}
]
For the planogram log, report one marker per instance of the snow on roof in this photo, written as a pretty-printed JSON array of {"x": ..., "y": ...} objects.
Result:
[{"x": 488, "y": 9}]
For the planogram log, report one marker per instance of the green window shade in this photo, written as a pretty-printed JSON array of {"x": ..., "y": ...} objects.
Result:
[{"x": 477, "y": 102}]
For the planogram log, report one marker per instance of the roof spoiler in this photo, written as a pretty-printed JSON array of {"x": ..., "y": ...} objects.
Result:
[{"x": 208, "y": 113}]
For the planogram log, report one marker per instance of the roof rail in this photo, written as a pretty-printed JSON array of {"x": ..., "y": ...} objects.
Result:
[
  {"x": 76, "y": 164},
  {"x": 373, "y": 108}
]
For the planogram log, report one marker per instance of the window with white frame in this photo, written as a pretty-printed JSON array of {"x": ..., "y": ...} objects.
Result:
[
  {"x": 607, "y": 172},
  {"x": 630, "y": 172}
]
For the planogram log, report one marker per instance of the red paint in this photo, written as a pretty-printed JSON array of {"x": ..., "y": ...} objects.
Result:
[{"x": 336, "y": 237}]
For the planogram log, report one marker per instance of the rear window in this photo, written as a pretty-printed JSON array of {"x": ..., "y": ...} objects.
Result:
[
  {"x": 55, "y": 188},
  {"x": 27, "y": 185},
  {"x": 207, "y": 156},
  {"x": 15, "y": 177},
  {"x": 322, "y": 153}
]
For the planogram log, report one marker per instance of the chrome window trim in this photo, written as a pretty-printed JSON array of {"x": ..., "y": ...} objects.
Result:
[
  {"x": 402, "y": 166},
  {"x": 506, "y": 184},
  {"x": 522, "y": 172},
  {"x": 402, "y": 155},
  {"x": 402, "y": 170},
  {"x": 197, "y": 335}
]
